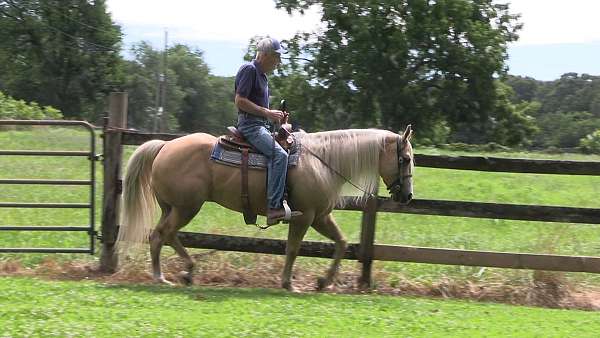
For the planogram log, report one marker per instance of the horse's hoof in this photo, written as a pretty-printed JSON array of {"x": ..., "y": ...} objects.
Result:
[
  {"x": 186, "y": 278},
  {"x": 322, "y": 283},
  {"x": 294, "y": 289},
  {"x": 162, "y": 280},
  {"x": 288, "y": 286}
]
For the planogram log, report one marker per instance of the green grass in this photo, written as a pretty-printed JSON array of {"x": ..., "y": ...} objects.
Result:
[
  {"x": 35, "y": 308},
  {"x": 399, "y": 229}
]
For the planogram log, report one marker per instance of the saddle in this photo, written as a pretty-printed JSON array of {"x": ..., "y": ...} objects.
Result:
[{"x": 235, "y": 141}]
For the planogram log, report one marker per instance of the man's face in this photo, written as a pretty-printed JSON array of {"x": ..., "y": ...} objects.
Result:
[{"x": 272, "y": 60}]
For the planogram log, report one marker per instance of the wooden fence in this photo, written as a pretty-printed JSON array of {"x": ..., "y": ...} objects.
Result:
[{"x": 115, "y": 136}]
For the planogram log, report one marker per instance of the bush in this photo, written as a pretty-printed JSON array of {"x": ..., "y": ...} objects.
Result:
[
  {"x": 494, "y": 147},
  {"x": 591, "y": 143},
  {"x": 476, "y": 148},
  {"x": 434, "y": 134},
  {"x": 565, "y": 130},
  {"x": 11, "y": 109}
]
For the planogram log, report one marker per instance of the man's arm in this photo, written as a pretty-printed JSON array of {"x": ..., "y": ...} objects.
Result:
[{"x": 245, "y": 105}]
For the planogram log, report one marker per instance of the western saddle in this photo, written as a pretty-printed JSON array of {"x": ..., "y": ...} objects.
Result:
[{"x": 236, "y": 141}]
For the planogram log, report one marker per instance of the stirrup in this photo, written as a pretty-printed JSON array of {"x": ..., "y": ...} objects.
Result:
[
  {"x": 289, "y": 213},
  {"x": 287, "y": 216}
]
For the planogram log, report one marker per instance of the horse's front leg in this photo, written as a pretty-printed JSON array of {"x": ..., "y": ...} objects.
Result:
[
  {"x": 327, "y": 227},
  {"x": 296, "y": 232},
  {"x": 186, "y": 276},
  {"x": 184, "y": 217}
]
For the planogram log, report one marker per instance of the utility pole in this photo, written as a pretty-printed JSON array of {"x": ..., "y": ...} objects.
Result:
[
  {"x": 165, "y": 115},
  {"x": 157, "y": 106},
  {"x": 160, "y": 113}
]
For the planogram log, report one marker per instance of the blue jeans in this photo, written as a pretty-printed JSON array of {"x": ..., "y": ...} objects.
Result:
[{"x": 256, "y": 132}]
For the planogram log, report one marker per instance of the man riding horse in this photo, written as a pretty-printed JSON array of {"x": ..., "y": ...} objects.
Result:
[
  {"x": 254, "y": 123},
  {"x": 181, "y": 175}
]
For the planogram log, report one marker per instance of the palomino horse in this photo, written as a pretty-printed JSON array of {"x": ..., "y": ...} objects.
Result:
[{"x": 180, "y": 176}]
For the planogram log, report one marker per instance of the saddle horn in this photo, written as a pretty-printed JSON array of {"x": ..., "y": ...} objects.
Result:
[{"x": 284, "y": 133}]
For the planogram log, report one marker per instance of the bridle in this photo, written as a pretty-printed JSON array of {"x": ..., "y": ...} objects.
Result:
[{"x": 395, "y": 188}]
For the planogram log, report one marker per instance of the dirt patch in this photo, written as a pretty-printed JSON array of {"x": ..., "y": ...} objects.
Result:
[{"x": 544, "y": 289}]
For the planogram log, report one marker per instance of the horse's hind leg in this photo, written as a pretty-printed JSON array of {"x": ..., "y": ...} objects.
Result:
[
  {"x": 156, "y": 244},
  {"x": 327, "y": 227},
  {"x": 187, "y": 276},
  {"x": 165, "y": 231}
]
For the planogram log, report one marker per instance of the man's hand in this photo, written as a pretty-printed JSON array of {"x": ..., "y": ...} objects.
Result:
[
  {"x": 275, "y": 116},
  {"x": 248, "y": 106}
]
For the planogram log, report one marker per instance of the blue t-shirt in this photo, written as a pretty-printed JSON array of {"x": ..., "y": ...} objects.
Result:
[{"x": 251, "y": 83}]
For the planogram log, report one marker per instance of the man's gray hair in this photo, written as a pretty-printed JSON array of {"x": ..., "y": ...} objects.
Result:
[
  {"x": 265, "y": 46},
  {"x": 269, "y": 46}
]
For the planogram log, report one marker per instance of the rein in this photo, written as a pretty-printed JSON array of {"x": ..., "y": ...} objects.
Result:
[{"x": 337, "y": 172}]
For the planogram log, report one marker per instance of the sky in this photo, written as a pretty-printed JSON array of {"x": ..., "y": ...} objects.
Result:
[{"x": 558, "y": 36}]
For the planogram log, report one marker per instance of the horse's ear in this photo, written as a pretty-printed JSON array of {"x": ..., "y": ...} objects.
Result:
[{"x": 407, "y": 133}]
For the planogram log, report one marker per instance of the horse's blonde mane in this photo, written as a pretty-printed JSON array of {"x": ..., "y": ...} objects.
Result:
[{"x": 353, "y": 153}]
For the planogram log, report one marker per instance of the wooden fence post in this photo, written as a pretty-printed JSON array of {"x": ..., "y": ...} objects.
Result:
[
  {"x": 367, "y": 240},
  {"x": 113, "y": 153}
]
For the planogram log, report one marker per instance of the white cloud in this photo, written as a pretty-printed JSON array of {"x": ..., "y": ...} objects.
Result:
[
  {"x": 545, "y": 21},
  {"x": 223, "y": 20},
  {"x": 557, "y": 21}
]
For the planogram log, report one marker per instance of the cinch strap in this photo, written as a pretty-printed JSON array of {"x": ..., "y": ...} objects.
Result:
[{"x": 249, "y": 217}]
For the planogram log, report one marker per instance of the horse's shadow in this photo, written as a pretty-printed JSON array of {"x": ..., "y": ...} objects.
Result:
[{"x": 208, "y": 293}]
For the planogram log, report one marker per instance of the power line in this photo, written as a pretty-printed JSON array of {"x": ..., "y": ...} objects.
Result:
[
  {"x": 85, "y": 24},
  {"x": 78, "y": 39}
]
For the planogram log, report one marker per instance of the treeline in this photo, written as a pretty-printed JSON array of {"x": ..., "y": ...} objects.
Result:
[
  {"x": 439, "y": 65},
  {"x": 566, "y": 110},
  {"x": 67, "y": 54}
]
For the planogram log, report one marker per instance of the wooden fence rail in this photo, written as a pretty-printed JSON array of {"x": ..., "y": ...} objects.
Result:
[
  {"x": 366, "y": 251},
  {"x": 397, "y": 253},
  {"x": 487, "y": 210},
  {"x": 511, "y": 165}
]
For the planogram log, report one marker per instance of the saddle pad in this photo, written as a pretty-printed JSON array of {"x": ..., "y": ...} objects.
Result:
[{"x": 255, "y": 161}]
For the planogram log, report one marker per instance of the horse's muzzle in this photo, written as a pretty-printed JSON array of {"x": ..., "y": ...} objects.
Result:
[{"x": 404, "y": 199}]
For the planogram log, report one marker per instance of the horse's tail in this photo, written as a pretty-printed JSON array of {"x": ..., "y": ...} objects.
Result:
[{"x": 139, "y": 202}]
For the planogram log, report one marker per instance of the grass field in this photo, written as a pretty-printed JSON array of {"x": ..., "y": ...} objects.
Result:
[
  {"x": 419, "y": 230},
  {"x": 35, "y": 308}
]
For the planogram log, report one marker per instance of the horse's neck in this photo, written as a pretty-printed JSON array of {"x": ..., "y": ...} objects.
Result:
[
  {"x": 349, "y": 146},
  {"x": 351, "y": 155}
]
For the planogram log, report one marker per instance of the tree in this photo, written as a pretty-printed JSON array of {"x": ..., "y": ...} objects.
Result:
[
  {"x": 423, "y": 62},
  {"x": 207, "y": 102},
  {"x": 221, "y": 107},
  {"x": 565, "y": 109},
  {"x": 63, "y": 53},
  {"x": 140, "y": 81},
  {"x": 525, "y": 88},
  {"x": 564, "y": 130},
  {"x": 572, "y": 92},
  {"x": 196, "y": 101}
]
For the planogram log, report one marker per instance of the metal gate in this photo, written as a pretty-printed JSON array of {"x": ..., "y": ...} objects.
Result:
[{"x": 92, "y": 157}]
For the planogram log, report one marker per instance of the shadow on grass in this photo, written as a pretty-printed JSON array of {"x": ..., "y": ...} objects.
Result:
[{"x": 211, "y": 294}]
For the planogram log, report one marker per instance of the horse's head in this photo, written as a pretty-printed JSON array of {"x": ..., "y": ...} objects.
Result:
[{"x": 397, "y": 166}]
